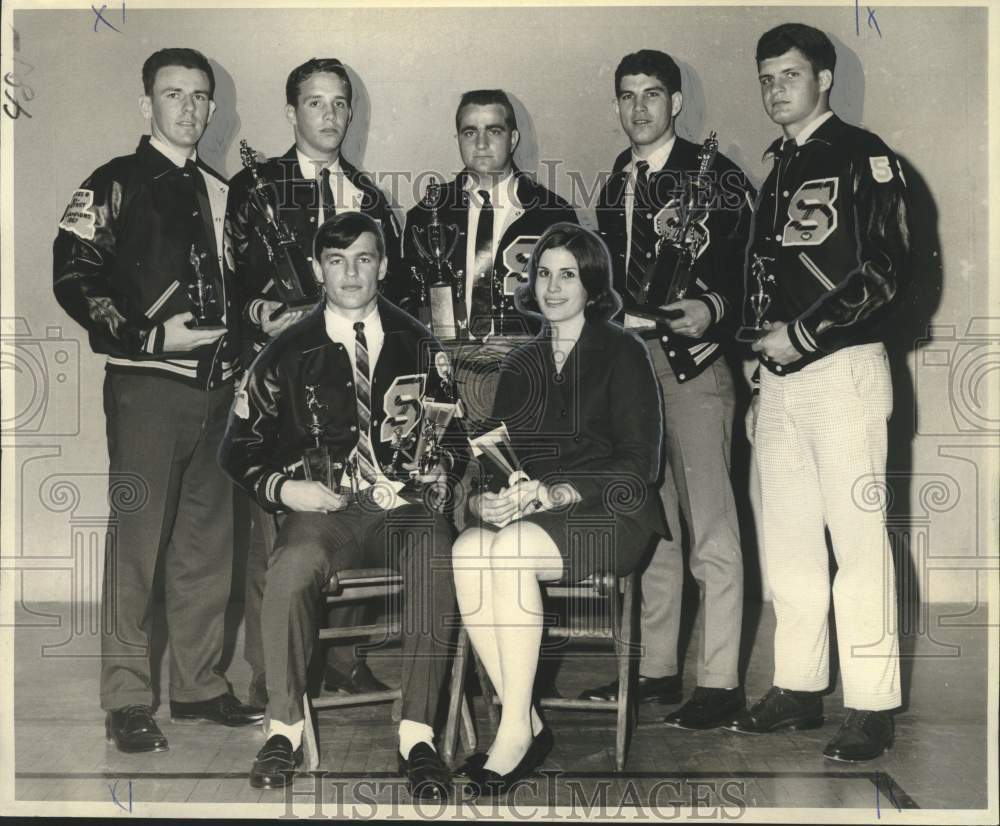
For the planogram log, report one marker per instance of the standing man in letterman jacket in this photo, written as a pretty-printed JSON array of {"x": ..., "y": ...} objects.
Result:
[
  {"x": 831, "y": 229},
  {"x": 122, "y": 267},
  {"x": 643, "y": 199}
]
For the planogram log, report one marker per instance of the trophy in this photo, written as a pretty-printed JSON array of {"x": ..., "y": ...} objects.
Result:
[
  {"x": 201, "y": 291},
  {"x": 494, "y": 450},
  {"x": 442, "y": 288},
  {"x": 293, "y": 279},
  {"x": 760, "y": 301},
  {"x": 317, "y": 462},
  {"x": 686, "y": 240}
]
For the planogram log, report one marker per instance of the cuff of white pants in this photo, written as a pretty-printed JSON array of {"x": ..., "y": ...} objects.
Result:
[{"x": 293, "y": 731}]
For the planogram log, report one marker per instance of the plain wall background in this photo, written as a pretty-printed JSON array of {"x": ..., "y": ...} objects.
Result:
[{"x": 921, "y": 86}]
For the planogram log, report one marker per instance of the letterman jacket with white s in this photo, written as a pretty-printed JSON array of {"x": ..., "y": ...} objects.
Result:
[{"x": 830, "y": 223}]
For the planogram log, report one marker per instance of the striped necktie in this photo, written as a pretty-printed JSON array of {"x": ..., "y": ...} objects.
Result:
[
  {"x": 642, "y": 243},
  {"x": 366, "y": 460}
]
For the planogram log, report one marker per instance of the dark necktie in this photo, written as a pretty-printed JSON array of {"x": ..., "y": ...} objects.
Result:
[
  {"x": 202, "y": 227},
  {"x": 642, "y": 246},
  {"x": 326, "y": 194},
  {"x": 480, "y": 318},
  {"x": 362, "y": 383}
]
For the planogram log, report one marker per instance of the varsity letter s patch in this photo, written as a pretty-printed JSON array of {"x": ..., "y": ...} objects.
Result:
[{"x": 881, "y": 168}]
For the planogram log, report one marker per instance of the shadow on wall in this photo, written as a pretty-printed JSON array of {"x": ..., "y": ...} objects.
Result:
[
  {"x": 526, "y": 154},
  {"x": 356, "y": 141},
  {"x": 225, "y": 125}
]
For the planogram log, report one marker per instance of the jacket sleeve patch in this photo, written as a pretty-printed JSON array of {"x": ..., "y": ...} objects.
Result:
[
  {"x": 881, "y": 168},
  {"x": 80, "y": 217}
]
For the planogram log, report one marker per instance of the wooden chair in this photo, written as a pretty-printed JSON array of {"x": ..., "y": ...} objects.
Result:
[
  {"x": 358, "y": 584},
  {"x": 619, "y": 592}
]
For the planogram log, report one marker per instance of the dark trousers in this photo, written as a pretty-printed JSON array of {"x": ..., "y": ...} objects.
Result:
[
  {"x": 169, "y": 500},
  {"x": 340, "y": 655},
  {"x": 310, "y": 547}
]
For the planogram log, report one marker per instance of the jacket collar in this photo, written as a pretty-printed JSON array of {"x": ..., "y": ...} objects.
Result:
[
  {"x": 313, "y": 326},
  {"x": 827, "y": 133},
  {"x": 524, "y": 191},
  {"x": 290, "y": 160}
]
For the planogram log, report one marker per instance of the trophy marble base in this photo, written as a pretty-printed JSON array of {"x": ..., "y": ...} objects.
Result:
[
  {"x": 205, "y": 324},
  {"x": 299, "y": 304},
  {"x": 748, "y": 335}
]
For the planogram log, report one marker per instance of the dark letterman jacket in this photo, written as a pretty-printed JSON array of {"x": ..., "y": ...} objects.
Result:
[
  {"x": 298, "y": 198},
  {"x": 719, "y": 266},
  {"x": 597, "y": 425},
  {"x": 268, "y": 426},
  {"x": 121, "y": 264},
  {"x": 539, "y": 208},
  {"x": 832, "y": 217}
]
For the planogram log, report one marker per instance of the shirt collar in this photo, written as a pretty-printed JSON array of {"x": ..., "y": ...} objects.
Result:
[
  {"x": 779, "y": 143},
  {"x": 502, "y": 195},
  {"x": 341, "y": 328},
  {"x": 178, "y": 159},
  {"x": 309, "y": 166},
  {"x": 658, "y": 159},
  {"x": 814, "y": 124}
]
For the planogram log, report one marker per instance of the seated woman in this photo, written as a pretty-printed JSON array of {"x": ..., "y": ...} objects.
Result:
[{"x": 581, "y": 404}]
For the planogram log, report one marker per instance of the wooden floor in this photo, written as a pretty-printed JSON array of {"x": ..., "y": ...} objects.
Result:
[{"x": 938, "y": 761}]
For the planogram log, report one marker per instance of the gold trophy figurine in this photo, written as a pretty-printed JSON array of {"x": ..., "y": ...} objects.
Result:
[
  {"x": 201, "y": 291},
  {"x": 760, "y": 300},
  {"x": 442, "y": 289}
]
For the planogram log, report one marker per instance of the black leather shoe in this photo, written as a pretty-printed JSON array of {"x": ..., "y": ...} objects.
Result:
[
  {"x": 427, "y": 776},
  {"x": 132, "y": 729},
  {"x": 708, "y": 708},
  {"x": 473, "y": 763},
  {"x": 665, "y": 690},
  {"x": 224, "y": 709},
  {"x": 359, "y": 681},
  {"x": 484, "y": 782},
  {"x": 275, "y": 764},
  {"x": 864, "y": 735},
  {"x": 257, "y": 691},
  {"x": 778, "y": 709}
]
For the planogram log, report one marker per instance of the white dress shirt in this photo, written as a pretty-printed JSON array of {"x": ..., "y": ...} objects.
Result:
[
  {"x": 506, "y": 210},
  {"x": 346, "y": 196}
]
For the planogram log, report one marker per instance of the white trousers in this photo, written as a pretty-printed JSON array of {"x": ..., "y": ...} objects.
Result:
[{"x": 821, "y": 447}]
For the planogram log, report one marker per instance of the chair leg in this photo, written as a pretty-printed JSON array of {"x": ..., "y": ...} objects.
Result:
[
  {"x": 623, "y": 644},
  {"x": 469, "y": 741},
  {"x": 488, "y": 693},
  {"x": 456, "y": 696},
  {"x": 310, "y": 750}
]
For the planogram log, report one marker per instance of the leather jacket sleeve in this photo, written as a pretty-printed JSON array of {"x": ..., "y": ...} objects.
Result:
[
  {"x": 84, "y": 256},
  {"x": 252, "y": 431},
  {"x": 883, "y": 243}
]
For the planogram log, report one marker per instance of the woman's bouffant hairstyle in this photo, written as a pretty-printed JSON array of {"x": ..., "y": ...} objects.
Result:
[{"x": 593, "y": 261}]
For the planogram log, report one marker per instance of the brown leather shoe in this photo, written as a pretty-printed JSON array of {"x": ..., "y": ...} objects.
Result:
[
  {"x": 864, "y": 735},
  {"x": 359, "y": 681},
  {"x": 133, "y": 730},
  {"x": 665, "y": 690},
  {"x": 275, "y": 764},
  {"x": 224, "y": 709},
  {"x": 781, "y": 708}
]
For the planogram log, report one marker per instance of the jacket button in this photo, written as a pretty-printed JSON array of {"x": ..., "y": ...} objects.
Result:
[
  {"x": 349, "y": 384},
  {"x": 578, "y": 439},
  {"x": 194, "y": 214},
  {"x": 664, "y": 338},
  {"x": 778, "y": 368},
  {"x": 784, "y": 194},
  {"x": 354, "y": 429},
  {"x": 672, "y": 353},
  {"x": 312, "y": 219},
  {"x": 777, "y": 238},
  {"x": 681, "y": 377}
]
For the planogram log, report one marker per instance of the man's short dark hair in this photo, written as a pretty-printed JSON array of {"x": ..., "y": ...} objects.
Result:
[
  {"x": 315, "y": 66},
  {"x": 814, "y": 44},
  {"x": 653, "y": 63},
  {"x": 344, "y": 229},
  {"x": 187, "y": 58},
  {"x": 487, "y": 97},
  {"x": 593, "y": 262}
]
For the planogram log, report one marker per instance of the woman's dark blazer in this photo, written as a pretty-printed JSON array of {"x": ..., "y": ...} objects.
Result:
[{"x": 598, "y": 425}]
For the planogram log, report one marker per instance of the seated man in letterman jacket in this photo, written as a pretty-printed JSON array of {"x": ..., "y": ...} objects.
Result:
[
  {"x": 638, "y": 210},
  {"x": 500, "y": 213},
  {"x": 310, "y": 183},
  {"x": 346, "y": 376},
  {"x": 830, "y": 243}
]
